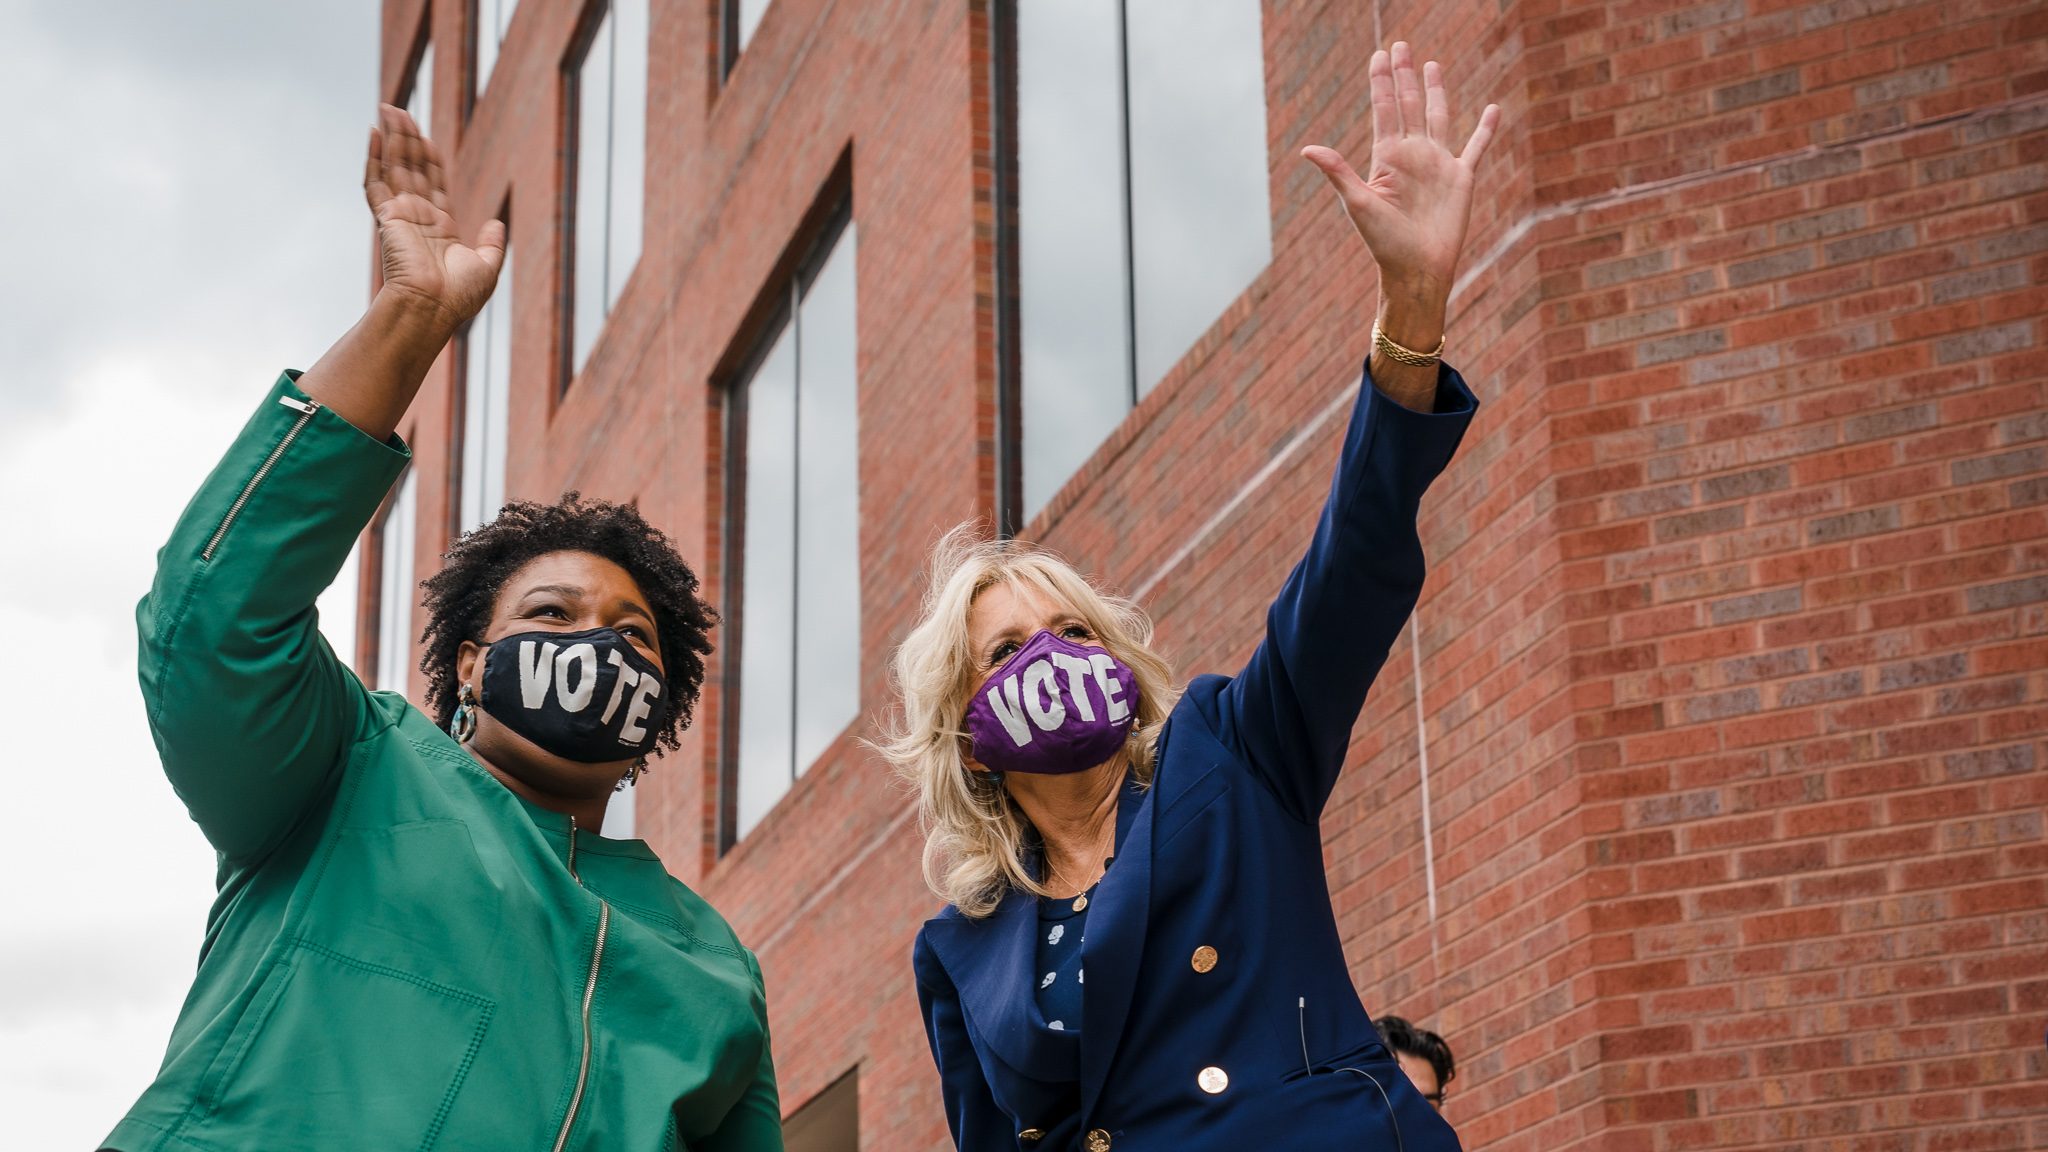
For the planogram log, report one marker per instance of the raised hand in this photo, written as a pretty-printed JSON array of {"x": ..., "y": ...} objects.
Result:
[
  {"x": 423, "y": 258},
  {"x": 433, "y": 284},
  {"x": 1413, "y": 205}
]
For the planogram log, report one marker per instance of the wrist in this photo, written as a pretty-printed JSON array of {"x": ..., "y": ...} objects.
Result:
[
  {"x": 411, "y": 320},
  {"x": 1412, "y": 323}
]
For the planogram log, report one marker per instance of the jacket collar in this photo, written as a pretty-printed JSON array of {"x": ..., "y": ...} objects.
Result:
[
  {"x": 992, "y": 964},
  {"x": 992, "y": 961}
]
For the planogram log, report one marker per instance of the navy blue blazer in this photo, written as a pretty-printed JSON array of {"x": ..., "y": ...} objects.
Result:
[{"x": 1219, "y": 1012}]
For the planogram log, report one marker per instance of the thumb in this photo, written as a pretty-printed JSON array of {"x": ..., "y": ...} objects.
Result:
[
  {"x": 1365, "y": 207},
  {"x": 1338, "y": 171},
  {"x": 490, "y": 245}
]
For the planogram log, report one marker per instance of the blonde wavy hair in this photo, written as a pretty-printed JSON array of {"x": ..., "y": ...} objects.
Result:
[{"x": 976, "y": 838}]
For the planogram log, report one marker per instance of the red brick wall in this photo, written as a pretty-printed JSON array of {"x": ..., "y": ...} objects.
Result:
[{"x": 1734, "y": 657}]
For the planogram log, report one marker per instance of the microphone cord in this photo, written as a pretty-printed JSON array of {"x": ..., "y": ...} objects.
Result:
[{"x": 1301, "y": 1023}]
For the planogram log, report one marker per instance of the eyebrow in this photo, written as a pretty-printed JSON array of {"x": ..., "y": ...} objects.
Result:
[
  {"x": 573, "y": 592},
  {"x": 1014, "y": 631}
]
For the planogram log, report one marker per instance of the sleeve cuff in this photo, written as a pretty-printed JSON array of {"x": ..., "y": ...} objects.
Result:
[{"x": 1453, "y": 398}]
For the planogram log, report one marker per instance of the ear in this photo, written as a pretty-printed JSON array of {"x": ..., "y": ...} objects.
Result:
[
  {"x": 974, "y": 767},
  {"x": 469, "y": 665}
]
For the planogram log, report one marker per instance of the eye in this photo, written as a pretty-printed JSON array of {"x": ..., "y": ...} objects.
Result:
[
  {"x": 1002, "y": 652},
  {"x": 636, "y": 632},
  {"x": 547, "y": 609},
  {"x": 1077, "y": 632}
]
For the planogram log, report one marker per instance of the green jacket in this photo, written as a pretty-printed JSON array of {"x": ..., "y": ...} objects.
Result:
[{"x": 403, "y": 954}]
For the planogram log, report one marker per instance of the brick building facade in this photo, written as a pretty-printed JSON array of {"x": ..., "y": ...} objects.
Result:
[{"x": 1731, "y": 675}]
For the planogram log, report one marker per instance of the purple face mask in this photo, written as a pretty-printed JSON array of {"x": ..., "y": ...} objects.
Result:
[{"x": 1054, "y": 707}]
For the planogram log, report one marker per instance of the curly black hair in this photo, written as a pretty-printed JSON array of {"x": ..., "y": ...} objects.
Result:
[
  {"x": 462, "y": 596},
  {"x": 1421, "y": 1043}
]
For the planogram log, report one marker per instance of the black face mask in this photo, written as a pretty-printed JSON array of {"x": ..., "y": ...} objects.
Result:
[{"x": 584, "y": 696}]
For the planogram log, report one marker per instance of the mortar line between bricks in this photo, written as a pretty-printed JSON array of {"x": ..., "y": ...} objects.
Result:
[
  {"x": 1505, "y": 244},
  {"x": 1258, "y": 480},
  {"x": 828, "y": 887},
  {"x": 1529, "y": 223}
]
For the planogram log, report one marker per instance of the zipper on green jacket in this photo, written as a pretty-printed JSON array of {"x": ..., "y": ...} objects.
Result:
[
  {"x": 604, "y": 920},
  {"x": 305, "y": 409}
]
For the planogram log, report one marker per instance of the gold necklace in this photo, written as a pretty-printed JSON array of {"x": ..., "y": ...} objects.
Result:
[{"x": 1081, "y": 898}]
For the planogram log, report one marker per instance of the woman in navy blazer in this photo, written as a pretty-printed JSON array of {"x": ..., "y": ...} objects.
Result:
[{"x": 1209, "y": 1004}]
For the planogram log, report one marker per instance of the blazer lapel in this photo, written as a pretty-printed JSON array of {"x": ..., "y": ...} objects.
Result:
[
  {"x": 991, "y": 962},
  {"x": 1115, "y": 942}
]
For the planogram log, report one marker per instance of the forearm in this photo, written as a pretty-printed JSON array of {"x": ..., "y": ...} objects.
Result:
[
  {"x": 249, "y": 708},
  {"x": 1411, "y": 315},
  {"x": 1290, "y": 712},
  {"x": 370, "y": 376}
]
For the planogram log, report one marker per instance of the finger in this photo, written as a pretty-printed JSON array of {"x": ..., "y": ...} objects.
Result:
[
  {"x": 375, "y": 190},
  {"x": 391, "y": 157},
  {"x": 405, "y": 168},
  {"x": 1341, "y": 175},
  {"x": 1437, "y": 103},
  {"x": 1386, "y": 115},
  {"x": 1481, "y": 137},
  {"x": 403, "y": 120},
  {"x": 434, "y": 174},
  {"x": 1408, "y": 90},
  {"x": 399, "y": 136}
]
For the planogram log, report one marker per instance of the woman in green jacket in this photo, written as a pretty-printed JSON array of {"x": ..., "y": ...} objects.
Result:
[{"x": 419, "y": 940}]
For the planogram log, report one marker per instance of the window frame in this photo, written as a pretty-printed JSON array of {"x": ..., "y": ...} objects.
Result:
[
  {"x": 409, "y": 83},
  {"x": 775, "y": 312},
  {"x": 728, "y": 29},
  {"x": 472, "y": 47},
  {"x": 1009, "y": 300}
]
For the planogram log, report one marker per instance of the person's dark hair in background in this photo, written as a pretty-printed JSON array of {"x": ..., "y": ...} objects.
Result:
[{"x": 1423, "y": 1055}]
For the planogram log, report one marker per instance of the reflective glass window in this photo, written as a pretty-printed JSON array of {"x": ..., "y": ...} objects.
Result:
[
  {"x": 419, "y": 101},
  {"x": 486, "y": 397},
  {"x": 798, "y": 594},
  {"x": 608, "y": 187},
  {"x": 1139, "y": 163},
  {"x": 396, "y": 590}
]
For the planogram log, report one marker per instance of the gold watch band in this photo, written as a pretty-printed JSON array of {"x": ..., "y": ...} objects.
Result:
[{"x": 1385, "y": 346}]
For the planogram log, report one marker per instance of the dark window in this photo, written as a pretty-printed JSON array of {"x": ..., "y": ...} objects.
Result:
[
  {"x": 737, "y": 20},
  {"x": 829, "y": 1121},
  {"x": 419, "y": 80}
]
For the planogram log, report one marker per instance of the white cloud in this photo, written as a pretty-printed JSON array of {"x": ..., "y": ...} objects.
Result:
[{"x": 181, "y": 220}]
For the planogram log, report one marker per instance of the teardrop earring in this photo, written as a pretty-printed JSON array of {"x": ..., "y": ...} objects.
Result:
[{"x": 462, "y": 725}]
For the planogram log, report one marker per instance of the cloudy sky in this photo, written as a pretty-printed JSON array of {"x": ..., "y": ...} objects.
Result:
[{"x": 181, "y": 218}]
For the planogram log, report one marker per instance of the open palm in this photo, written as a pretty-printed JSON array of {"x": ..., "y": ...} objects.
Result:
[
  {"x": 1413, "y": 206},
  {"x": 421, "y": 254}
]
